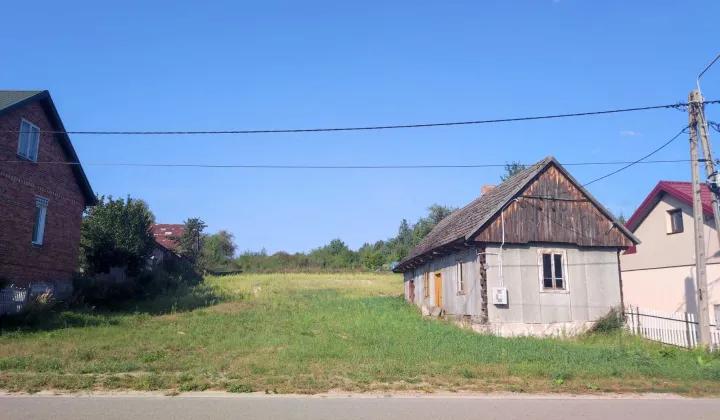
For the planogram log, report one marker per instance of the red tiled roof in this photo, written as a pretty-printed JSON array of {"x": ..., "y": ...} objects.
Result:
[
  {"x": 678, "y": 189},
  {"x": 164, "y": 234}
]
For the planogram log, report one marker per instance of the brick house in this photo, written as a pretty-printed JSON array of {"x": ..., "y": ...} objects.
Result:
[{"x": 41, "y": 204}]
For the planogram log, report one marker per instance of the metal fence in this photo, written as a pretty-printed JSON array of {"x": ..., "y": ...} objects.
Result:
[
  {"x": 675, "y": 328},
  {"x": 13, "y": 299}
]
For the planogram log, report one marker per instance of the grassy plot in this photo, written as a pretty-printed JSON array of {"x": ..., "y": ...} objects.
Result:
[{"x": 317, "y": 332}]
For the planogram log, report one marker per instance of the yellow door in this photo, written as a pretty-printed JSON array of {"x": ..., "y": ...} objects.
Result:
[{"x": 438, "y": 289}]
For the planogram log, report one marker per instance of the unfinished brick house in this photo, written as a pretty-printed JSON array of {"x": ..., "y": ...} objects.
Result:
[{"x": 41, "y": 203}]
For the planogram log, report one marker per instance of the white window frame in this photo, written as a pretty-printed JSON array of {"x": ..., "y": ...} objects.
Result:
[
  {"x": 41, "y": 203},
  {"x": 31, "y": 150},
  {"x": 459, "y": 277},
  {"x": 566, "y": 282}
]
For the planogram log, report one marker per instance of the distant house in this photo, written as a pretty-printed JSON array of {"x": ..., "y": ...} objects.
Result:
[
  {"x": 534, "y": 255},
  {"x": 41, "y": 203},
  {"x": 166, "y": 245},
  {"x": 660, "y": 273}
]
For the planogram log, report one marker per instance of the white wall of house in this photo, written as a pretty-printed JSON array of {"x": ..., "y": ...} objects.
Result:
[
  {"x": 661, "y": 273},
  {"x": 592, "y": 285}
]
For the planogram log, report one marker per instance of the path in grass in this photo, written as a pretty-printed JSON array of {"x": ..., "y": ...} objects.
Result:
[{"x": 314, "y": 333}]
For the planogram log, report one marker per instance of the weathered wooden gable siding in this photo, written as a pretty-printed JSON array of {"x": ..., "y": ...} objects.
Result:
[{"x": 573, "y": 220}]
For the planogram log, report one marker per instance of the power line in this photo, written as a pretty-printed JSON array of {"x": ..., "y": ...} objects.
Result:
[
  {"x": 678, "y": 105},
  {"x": 339, "y": 167},
  {"x": 639, "y": 160}
]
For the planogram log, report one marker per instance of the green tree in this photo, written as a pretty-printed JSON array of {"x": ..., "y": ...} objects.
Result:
[
  {"x": 191, "y": 241},
  {"x": 116, "y": 233},
  {"x": 218, "y": 249},
  {"x": 511, "y": 169},
  {"x": 144, "y": 203}
]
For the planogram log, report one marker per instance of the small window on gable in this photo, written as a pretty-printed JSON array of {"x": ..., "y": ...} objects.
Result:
[
  {"x": 29, "y": 140},
  {"x": 41, "y": 205},
  {"x": 552, "y": 271},
  {"x": 675, "y": 222},
  {"x": 426, "y": 284},
  {"x": 459, "y": 277}
]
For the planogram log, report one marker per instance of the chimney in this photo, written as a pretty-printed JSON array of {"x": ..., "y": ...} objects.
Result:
[{"x": 485, "y": 189}]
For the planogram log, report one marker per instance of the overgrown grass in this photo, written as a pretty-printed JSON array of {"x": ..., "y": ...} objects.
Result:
[{"x": 310, "y": 333}]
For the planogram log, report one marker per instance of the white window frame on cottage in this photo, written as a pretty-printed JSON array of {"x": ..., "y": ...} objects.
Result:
[
  {"x": 459, "y": 277},
  {"x": 29, "y": 141},
  {"x": 564, "y": 271},
  {"x": 38, "y": 235}
]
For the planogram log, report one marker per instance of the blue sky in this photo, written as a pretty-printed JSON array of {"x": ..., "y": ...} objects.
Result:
[{"x": 181, "y": 65}]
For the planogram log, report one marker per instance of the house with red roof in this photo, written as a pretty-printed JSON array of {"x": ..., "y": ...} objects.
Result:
[
  {"x": 659, "y": 273},
  {"x": 166, "y": 243}
]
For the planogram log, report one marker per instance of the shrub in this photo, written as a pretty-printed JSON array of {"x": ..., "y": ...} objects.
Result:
[
  {"x": 613, "y": 321},
  {"x": 240, "y": 388}
]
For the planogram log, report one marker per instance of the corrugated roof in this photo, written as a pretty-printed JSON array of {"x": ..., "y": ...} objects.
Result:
[
  {"x": 9, "y": 98},
  {"x": 165, "y": 233},
  {"x": 465, "y": 223}
]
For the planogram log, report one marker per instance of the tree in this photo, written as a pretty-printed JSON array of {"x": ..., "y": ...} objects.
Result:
[
  {"x": 511, "y": 169},
  {"x": 116, "y": 233},
  {"x": 218, "y": 249},
  {"x": 144, "y": 203},
  {"x": 191, "y": 241}
]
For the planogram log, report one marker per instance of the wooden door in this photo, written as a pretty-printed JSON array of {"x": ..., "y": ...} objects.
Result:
[
  {"x": 438, "y": 289},
  {"x": 412, "y": 291}
]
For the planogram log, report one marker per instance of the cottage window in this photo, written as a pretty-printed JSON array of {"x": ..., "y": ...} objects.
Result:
[
  {"x": 426, "y": 284},
  {"x": 552, "y": 271},
  {"x": 29, "y": 141},
  {"x": 459, "y": 277},
  {"x": 38, "y": 234},
  {"x": 676, "y": 221}
]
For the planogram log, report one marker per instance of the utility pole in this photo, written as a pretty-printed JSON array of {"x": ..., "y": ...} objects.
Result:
[
  {"x": 700, "y": 269},
  {"x": 704, "y": 139}
]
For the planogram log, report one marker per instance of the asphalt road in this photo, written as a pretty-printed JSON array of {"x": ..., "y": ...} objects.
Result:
[{"x": 416, "y": 408}]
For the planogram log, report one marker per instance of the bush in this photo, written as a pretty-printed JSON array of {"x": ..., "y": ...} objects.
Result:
[
  {"x": 613, "y": 321},
  {"x": 38, "y": 308}
]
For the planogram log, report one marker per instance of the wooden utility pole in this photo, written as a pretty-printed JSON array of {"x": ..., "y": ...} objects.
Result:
[{"x": 700, "y": 269}]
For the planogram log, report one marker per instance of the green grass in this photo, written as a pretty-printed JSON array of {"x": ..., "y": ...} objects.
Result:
[{"x": 311, "y": 333}]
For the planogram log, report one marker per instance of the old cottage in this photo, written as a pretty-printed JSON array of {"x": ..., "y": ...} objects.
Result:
[{"x": 535, "y": 255}]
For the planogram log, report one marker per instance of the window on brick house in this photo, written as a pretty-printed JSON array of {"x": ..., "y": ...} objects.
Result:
[
  {"x": 552, "y": 271},
  {"x": 29, "y": 141},
  {"x": 38, "y": 235}
]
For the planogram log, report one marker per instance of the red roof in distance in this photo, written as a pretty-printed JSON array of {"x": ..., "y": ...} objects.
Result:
[{"x": 165, "y": 233}]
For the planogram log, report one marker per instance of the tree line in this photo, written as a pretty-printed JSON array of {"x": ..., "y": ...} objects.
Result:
[{"x": 117, "y": 232}]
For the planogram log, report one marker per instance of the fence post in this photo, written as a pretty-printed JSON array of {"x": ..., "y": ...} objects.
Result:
[
  {"x": 687, "y": 331},
  {"x": 639, "y": 327}
]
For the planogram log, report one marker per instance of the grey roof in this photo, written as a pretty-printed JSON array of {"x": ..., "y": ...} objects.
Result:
[
  {"x": 9, "y": 98},
  {"x": 466, "y": 222},
  {"x": 14, "y": 99}
]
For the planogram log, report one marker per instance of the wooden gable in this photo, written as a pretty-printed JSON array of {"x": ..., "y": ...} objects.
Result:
[{"x": 551, "y": 208}]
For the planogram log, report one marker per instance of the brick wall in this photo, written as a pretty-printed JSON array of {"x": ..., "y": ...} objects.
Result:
[{"x": 20, "y": 183}]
